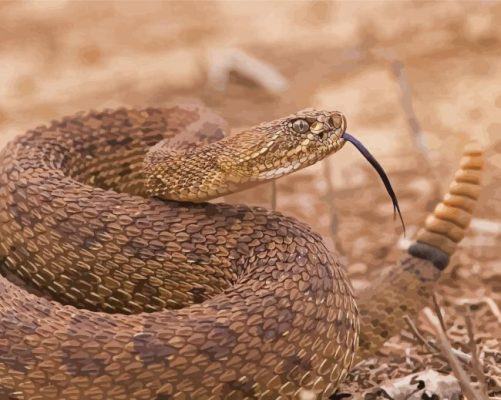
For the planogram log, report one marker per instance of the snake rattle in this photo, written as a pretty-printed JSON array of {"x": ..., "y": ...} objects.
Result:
[{"x": 118, "y": 280}]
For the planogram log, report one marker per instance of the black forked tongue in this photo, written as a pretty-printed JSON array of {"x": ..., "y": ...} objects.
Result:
[{"x": 369, "y": 157}]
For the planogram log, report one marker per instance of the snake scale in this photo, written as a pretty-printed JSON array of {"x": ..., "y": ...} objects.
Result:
[{"x": 120, "y": 282}]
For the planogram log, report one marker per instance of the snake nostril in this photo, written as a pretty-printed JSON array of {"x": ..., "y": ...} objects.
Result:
[{"x": 335, "y": 121}]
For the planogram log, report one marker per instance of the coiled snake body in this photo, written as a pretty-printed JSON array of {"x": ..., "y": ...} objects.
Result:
[{"x": 226, "y": 301}]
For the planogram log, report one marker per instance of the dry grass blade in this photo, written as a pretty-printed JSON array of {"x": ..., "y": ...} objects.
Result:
[
  {"x": 476, "y": 364},
  {"x": 329, "y": 198},
  {"x": 446, "y": 349},
  {"x": 430, "y": 345},
  {"x": 486, "y": 300},
  {"x": 418, "y": 336},
  {"x": 438, "y": 312},
  {"x": 493, "y": 307},
  {"x": 274, "y": 195},
  {"x": 463, "y": 357},
  {"x": 398, "y": 69}
]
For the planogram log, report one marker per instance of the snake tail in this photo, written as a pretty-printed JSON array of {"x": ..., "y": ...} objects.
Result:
[
  {"x": 447, "y": 225},
  {"x": 408, "y": 286}
]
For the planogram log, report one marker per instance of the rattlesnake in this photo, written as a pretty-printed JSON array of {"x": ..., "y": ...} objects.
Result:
[{"x": 226, "y": 301}]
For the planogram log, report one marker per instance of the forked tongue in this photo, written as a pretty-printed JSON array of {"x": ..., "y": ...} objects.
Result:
[{"x": 369, "y": 157}]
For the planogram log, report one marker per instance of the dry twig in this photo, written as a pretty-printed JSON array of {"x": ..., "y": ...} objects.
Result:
[
  {"x": 223, "y": 61},
  {"x": 475, "y": 362},
  {"x": 446, "y": 349},
  {"x": 487, "y": 300},
  {"x": 398, "y": 69},
  {"x": 485, "y": 226},
  {"x": 438, "y": 312},
  {"x": 432, "y": 349},
  {"x": 463, "y": 357}
]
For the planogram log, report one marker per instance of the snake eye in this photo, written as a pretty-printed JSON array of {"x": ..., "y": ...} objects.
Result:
[{"x": 300, "y": 126}]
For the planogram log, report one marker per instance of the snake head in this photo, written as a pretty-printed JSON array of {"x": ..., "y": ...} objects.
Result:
[
  {"x": 259, "y": 154},
  {"x": 280, "y": 147},
  {"x": 273, "y": 149}
]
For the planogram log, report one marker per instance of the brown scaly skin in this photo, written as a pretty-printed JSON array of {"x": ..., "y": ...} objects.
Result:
[
  {"x": 269, "y": 310},
  {"x": 178, "y": 171}
]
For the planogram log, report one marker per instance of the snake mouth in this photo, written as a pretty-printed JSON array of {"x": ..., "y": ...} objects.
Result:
[{"x": 379, "y": 169}]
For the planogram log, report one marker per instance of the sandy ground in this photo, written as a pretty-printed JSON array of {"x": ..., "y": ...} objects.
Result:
[{"x": 61, "y": 57}]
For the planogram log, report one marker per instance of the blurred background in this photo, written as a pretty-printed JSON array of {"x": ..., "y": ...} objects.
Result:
[{"x": 416, "y": 80}]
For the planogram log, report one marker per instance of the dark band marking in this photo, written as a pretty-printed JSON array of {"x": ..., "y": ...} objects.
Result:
[
  {"x": 120, "y": 142},
  {"x": 152, "y": 350},
  {"x": 425, "y": 251},
  {"x": 198, "y": 295},
  {"x": 80, "y": 361},
  {"x": 240, "y": 389},
  {"x": 90, "y": 150},
  {"x": 222, "y": 340},
  {"x": 9, "y": 394}
]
